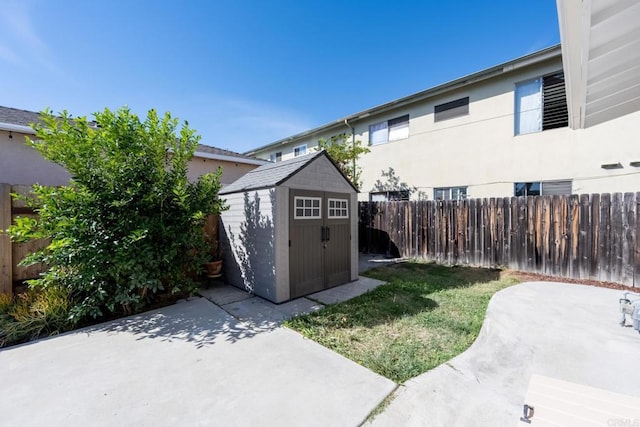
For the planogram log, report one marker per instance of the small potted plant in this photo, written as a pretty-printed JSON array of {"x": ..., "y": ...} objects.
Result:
[{"x": 214, "y": 266}]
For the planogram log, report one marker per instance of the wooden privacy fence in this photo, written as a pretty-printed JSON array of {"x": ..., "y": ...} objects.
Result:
[
  {"x": 577, "y": 236},
  {"x": 12, "y": 253}
]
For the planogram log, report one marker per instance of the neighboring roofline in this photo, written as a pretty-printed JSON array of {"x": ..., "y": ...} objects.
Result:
[
  {"x": 224, "y": 158},
  {"x": 497, "y": 70},
  {"x": 16, "y": 128},
  {"x": 201, "y": 154}
]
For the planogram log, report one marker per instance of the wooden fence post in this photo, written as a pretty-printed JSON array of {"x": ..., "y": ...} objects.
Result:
[{"x": 6, "y": 273}]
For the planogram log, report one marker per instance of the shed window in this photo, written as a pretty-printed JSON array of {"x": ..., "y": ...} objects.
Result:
[
  {"x": 449, "y": 110},
  {"x": 338, "y": 208},
  {"x": 389, "y": 130},
  {"x": 308, "y": 207}
]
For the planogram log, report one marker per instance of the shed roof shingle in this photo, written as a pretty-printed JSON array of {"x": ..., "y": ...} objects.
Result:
[
  {"x": 270, "y": 175},
  {"x": 18, "y": 117}
]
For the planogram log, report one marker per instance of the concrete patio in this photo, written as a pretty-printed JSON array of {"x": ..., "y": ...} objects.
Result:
[
  {"x": 560, "y": 331},
  {"x": 191, "y": 364},
  {"x": 226, "y": 360}
]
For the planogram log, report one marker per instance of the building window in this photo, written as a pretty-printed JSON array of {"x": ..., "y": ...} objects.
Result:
[
  {"x": 450, "y": 193},
  {"x": 389, "y": 196},
  {"x": 300, "y": 150},
  {"x": 542, "y": 188},
  {"x": 308, "y": 208},
  {"x": 390, "y": 130},
  {"x": 541, "y": 104},
  {"x": 449, "y": 110},
  {"x": 276, "y": 157},
  {"x": 338, "y": 208}
]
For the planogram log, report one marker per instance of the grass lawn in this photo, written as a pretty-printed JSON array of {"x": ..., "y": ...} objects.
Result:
[{"x": 424, "y": 316}]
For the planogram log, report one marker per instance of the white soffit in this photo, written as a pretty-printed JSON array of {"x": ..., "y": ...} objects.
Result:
[{"x": 601, "y": 57}]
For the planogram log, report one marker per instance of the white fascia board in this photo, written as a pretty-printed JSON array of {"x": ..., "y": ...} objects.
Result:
[
  {"x": 574, "y": 19},
  {"x": 224, "y": 158},
  {"x": 17, "y": 128}
]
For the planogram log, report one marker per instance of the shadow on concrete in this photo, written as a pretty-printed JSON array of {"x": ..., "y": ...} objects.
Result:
[{"x": 196, "y": 321}]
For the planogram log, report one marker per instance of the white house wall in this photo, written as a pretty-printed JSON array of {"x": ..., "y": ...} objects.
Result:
[
  {"x": 480, "y": 151},
  {"x": 247, "y": 237},
  {"x": 21, "y": 164},
  {"x": 231, "y": 171}
]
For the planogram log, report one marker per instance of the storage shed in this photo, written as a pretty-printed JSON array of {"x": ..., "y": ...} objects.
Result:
[{"x": 291, "y": 228}]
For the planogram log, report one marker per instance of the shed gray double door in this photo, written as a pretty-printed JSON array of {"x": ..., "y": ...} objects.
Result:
[{"x": 320, "y": 241}]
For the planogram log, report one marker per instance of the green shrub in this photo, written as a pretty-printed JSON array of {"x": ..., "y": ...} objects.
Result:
[
  {"x": 34, "y": 314},
  {"x": 128, "y": 228},
  {"x": 6, "y": 301}
]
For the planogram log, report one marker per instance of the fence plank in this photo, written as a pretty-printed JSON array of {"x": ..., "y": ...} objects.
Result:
[
  {"x": 629, "y": 225},
  {"x": 604, "y": 254},
  {"x": 617, "y": 236},
  {"x": 594, "y": 270},
  {"x": 520, "y": 244},
  {"x": 6, "y": 270},
  {"x": 636, "y": 254},
  {"x": 574, "y": 235}
]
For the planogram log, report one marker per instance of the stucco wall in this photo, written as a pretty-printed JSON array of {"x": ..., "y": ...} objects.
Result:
[
  {"x": 481, "y": 152},
  {"x": 230, "y": 170},
  {"x": 21, "y": 164}
]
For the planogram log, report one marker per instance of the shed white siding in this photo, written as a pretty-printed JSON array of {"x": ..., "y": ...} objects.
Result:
[{"x": 248, "y": 241}]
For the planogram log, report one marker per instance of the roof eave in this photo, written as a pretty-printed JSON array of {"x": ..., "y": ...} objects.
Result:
[
  {"x": 224, "y": 158},
  {"x": 17, "y": 128}
]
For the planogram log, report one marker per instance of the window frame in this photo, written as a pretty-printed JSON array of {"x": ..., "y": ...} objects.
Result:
[
  {"x": 304, "y": 208},
  {"x": 390, "y": 126},
  {"x": 458, "y": 188},
  {"x": 451, "y": 110},
  {"x": 541, "y": 187},
  {"x": 275, "y": 157},
  {"x": 344, "y": 208},
  {"x": 545, "y": 105},
  {"x": 390, "y": 196},
  {"x": 295, "y": 154}
]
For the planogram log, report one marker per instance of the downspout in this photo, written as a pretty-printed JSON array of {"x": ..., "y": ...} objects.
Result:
[{"x": 353, "y": 144}]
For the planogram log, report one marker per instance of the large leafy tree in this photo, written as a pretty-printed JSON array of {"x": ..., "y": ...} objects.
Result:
[
  {"x": 128, "y": 227},
  {"x": 346, "y": 154}
]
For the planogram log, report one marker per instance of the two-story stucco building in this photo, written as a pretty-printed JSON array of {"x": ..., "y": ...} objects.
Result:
[{"x": 503, "y": 131}]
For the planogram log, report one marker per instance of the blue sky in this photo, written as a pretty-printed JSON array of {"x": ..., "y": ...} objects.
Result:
[{"x": 247, "y": 73}]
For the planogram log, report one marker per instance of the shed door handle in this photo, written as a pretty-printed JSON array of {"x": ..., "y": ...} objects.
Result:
[
  {"x": 328, "y": 234},
  {"x": 322, "y": 233}
]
